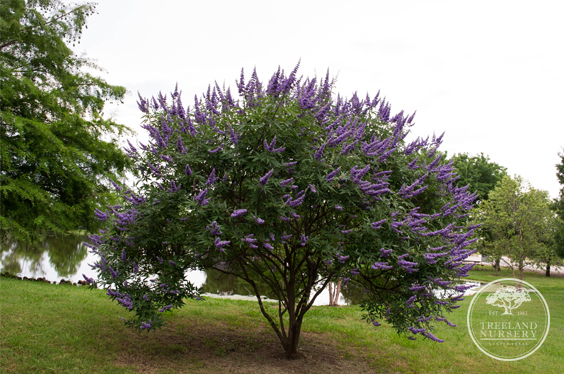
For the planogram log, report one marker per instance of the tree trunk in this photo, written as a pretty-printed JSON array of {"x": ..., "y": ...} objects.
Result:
[
  {"x": 548, "y": 269},
  {"x": 293, "y": 340},
  {"x": 496, "y": 265},
  {"x": 521, "y": 268},
  {"x": 334, "y": 293}
]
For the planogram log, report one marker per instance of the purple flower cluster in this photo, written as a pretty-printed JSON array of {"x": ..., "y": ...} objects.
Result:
[
  {"x": 284, "y": 183},
  {"x": 381, "y": 266},
  {"x": 385, "y": 252},
  {"x": 164, "y": 308},
  {"x": 212, "y": 178},
  {"x": 173, "y": 187},
  {"x": 266, "y": 177},
  {"x": 125, "y": 301},
  {"x": 332, "y": 174},
  {"x": 270, "y": 147},
  {"x": 259, "y": 220},
  {"x": 238, "y": 212},
  {"x": 214, "y": 229},
  {"x": 201, "y": 198},
  {"x": 285, "y": 237},
  {"x": 89, "y": 280},
  {"x": 220, "y": 244},
  {"x": 102, "y": 216},
  {"x": 376, "y": 225},
  {"x": 408, "y": 266}
]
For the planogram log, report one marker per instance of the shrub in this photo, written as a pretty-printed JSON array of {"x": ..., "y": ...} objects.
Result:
[{"x": 295, "y": 186}]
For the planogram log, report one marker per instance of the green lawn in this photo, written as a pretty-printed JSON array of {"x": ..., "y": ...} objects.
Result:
[{"x": 65, "y": 329}]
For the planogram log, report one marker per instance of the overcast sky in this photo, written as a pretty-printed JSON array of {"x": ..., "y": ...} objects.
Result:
[{"x": 489, "y": 73}]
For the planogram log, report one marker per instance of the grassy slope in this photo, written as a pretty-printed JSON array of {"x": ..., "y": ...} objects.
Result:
[{"x": 64, "y": 329}]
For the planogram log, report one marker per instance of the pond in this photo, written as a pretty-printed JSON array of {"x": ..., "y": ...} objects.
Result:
[{"x": 57, "y": 258}]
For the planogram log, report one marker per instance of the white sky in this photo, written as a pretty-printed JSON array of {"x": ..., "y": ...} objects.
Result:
[{"x": 489, "y": 73}]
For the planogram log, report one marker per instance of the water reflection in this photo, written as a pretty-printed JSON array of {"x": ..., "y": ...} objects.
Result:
[
  {"x": 225, "y": 284},
  {"x": 57, "y": 258},
  {"x": 64, "y": 255},
  {"x": 353, "y": 294}
]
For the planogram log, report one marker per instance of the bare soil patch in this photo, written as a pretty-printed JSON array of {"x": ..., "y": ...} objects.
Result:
[{"x": 188, "y": 347}]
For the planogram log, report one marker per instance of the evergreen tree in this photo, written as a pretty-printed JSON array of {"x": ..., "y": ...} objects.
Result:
[{"x": 58, "y": 152}]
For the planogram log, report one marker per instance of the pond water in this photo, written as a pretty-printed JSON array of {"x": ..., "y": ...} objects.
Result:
[{"x": 57, "y": 258}]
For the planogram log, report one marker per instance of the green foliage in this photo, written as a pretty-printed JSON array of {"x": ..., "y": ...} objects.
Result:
[
  {"x": 481, "y": 174},
  {"x": 558, "y": 207},
  {"x": 518, "y": 218},
  {"x": 58, "y": 153}
]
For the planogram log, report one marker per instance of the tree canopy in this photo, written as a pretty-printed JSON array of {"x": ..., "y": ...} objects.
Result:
[
  {"x": 58, "y": 152},
  {"x": 294, "y": 185},
  {"x": 518, "y": 217},
  {"x": 481, "y": 174},
  {"x": 558, "y": 207}
]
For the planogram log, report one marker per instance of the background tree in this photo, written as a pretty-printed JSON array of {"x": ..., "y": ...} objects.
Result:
[
  {"x": 478, "y": 172},
  {"x": 558, "y": 207},
  {"x": 549, "y": 254},
  {"x": 294, "y": 186},
  {"x": 334, "y": 292},
  {"x": 518, "y": 217},
  {"x": 58, "y": 153}
]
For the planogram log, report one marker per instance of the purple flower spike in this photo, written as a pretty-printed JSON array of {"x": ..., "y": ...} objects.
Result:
[
  {"x": 220, "y": 244},
  {"x": 238, "y": 212},
  {"x": 433, "y": 337},
  {"x": 201, "y": 198},
  {"x": 332, "y": 174},
  {"x": 284, "y": 183},
  {"x": 217, "y": 149},
  {"x": 376, "y": 225},
  {"x": 270, "y": 147},
  {"x": 188, "y": 170},
  {"x": 88, "y": 280},
  {"x": 312, "y": 188},
  {"x": 116, "y": 186},
  {"x": 212, "y": 178},
  {"x": 266, "y": 177},
  {"x": 259, "y": 220},
  {"x": 338, "y": 207},
  {"x": 381, "y": 266}
]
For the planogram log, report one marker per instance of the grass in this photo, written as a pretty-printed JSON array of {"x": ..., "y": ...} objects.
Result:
[{"x": 47, "y": 328}]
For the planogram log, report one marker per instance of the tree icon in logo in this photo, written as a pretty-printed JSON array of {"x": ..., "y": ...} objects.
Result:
[{"x": 508, "y": 297}]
